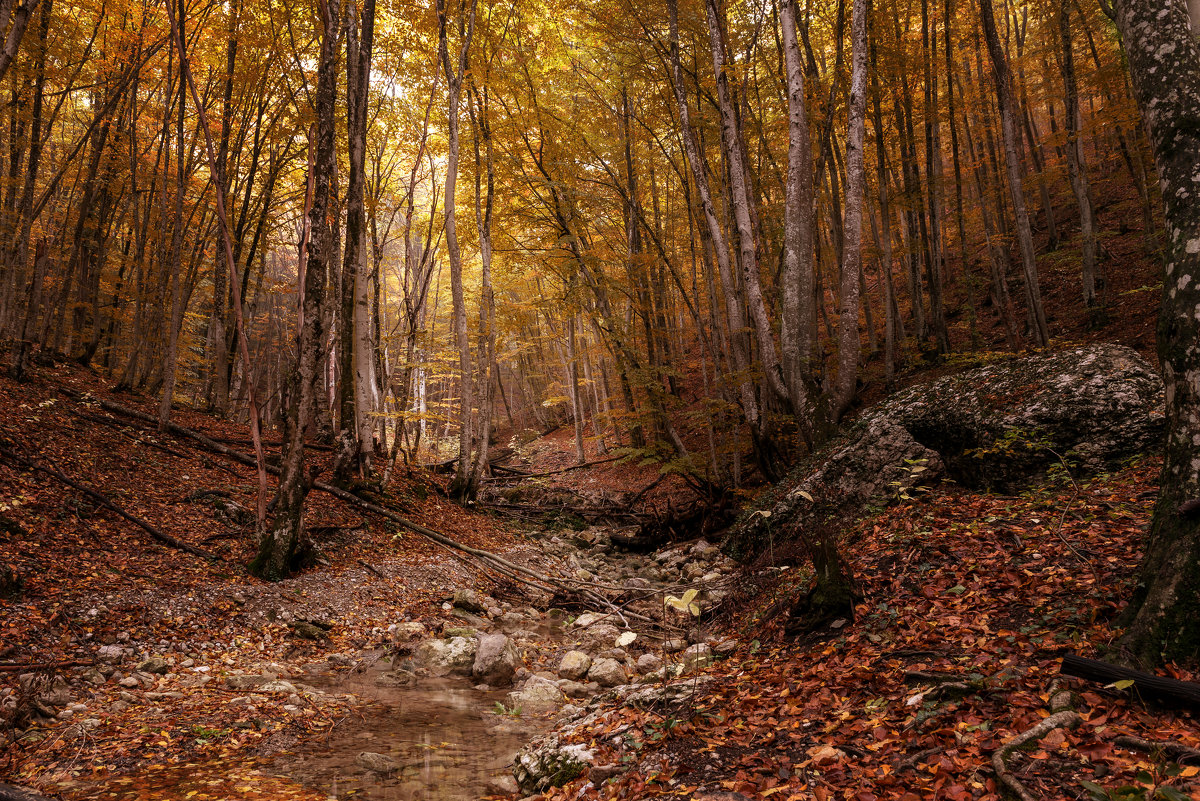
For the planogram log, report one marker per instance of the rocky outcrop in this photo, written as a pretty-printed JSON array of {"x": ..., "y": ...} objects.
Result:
[{"x": 995, "y": 427}]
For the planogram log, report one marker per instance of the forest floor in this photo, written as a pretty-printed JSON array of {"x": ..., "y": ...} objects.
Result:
[{"x": 969, "y": 601}]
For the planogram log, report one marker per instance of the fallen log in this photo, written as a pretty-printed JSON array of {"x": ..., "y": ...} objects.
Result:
[
  {"x": 498, "y": 563},
  {"x": 545, "y": 473},
  {"x": 1146, "y": 686},
  {"x": 106, "y": 502}
]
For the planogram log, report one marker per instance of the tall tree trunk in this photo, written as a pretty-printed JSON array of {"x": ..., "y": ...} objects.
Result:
[
  {"x": 741, "y": 201},
  {"x": 285, "y": 546},
  {"x": 461, "y": 487},
  {"x": 1004, "y": 93},
  {"x": 739, "y": 344},
  {"x": 1164, "y": 65},
  {"x": 848, "y": 337},
  {"x": 798, "y": 307},
  {"x": 1076, "y": 165},
  {"x": 176, "y": 264}
]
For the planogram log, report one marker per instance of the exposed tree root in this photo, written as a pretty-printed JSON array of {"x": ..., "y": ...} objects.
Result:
[
  {"x": 1067, "y": 719},
  {"x": 1183, "y": 754}
]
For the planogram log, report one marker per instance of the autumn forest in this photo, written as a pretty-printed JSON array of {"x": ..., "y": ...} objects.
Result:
[{"x": 485, "y": 250}]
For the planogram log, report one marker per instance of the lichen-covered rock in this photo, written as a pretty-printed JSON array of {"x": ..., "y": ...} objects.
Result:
[
  {"x": 997, "y": 425},
  {"x": 547, "y": 763},
  {"x": 495, "y": 660}
]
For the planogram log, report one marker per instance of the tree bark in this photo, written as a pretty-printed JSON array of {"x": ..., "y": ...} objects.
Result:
[
  {"x": 1004, "y": 93},
  {"x": 460, "y": 487},
  {"x": 1164, "y": 65},
  {"x": 284, "y": 547}
]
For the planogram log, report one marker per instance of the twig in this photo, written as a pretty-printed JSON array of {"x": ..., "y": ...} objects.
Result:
[{"x": 1065, "y": 719}]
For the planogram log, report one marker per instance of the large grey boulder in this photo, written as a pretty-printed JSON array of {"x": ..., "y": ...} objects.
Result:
[
  {"x": 538, "y": 696},
  {"x": 439, "y": 657},
  {"x": 996, "y": 427},
  {"x": 495, "y": 660}
]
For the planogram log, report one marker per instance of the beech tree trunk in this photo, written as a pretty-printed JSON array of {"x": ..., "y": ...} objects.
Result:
[
  {"x": 1012, "y": 143},
  {"x": 285, "y": 545},
  {"x": 1164, "y": 64},
  {"x": 848, "y": 337},
  {"x": 1076, "y": 164},
  {"x": 798, "y": 306},
  {"x": 461, "y": 487}
]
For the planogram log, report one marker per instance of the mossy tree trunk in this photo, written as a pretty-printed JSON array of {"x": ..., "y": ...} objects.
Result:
[{"x": 1164, "y": 65}]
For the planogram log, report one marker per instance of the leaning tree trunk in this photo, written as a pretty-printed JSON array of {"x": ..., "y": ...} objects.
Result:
[{"x": 1164, "y": 64}]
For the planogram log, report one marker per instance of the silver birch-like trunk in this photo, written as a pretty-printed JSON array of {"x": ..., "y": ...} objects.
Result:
[
  {"x": 848, "y": 336},
  {"x": 1076, "y": 165},
  {"x": 798, "y": 307},
  {"x": 461, "y": 486},
  {"x": 739, "y": 345},
  {"x": 741, "y": 200}
]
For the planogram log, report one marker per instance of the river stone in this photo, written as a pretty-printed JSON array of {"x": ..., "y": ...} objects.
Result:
[
  {"x": 538, "y": 696},
  {"x": 647, "y": 663},
  {"x": 587, "y": 619},
  {"x": 697, "y": 656},
  {"x": 674, "y": 645},
  {"x": 495, "y": 660},
  {"x": 547, "y": 763},
  {"x": 248, "y": 681},
  {"x": 599, "y": 636},
  {"x": 406, "y": 633},
  {"x": 377, "y": 763},
  {"x": 574, "y": 665},
  {"x": 607, "y": 673},
  {"x": 469, "y": 600},
  {"x": 440, "y": 657}
]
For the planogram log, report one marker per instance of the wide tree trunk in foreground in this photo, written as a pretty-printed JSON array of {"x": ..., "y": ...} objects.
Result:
[{"x": 1164, "y": 64}]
